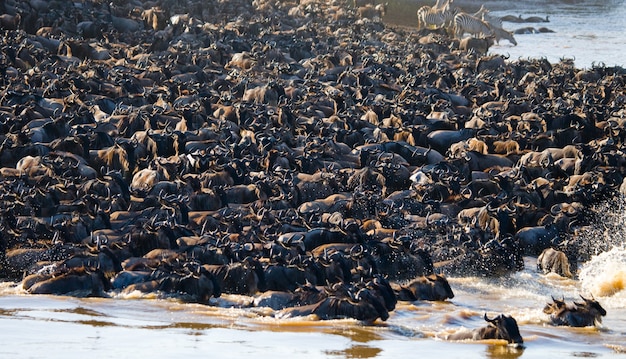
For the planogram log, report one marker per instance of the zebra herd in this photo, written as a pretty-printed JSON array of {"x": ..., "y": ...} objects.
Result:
[{"x": 454, "y": 20}]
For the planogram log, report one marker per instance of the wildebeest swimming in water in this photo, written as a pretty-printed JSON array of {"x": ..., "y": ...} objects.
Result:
[
  {"x": 75, "y": 281},
  {"x": 587, "y": 313},
  {"x": 432, "y": 287},
  {"x": 501, "y": 327},
  {"x": 362, "y": 301}
]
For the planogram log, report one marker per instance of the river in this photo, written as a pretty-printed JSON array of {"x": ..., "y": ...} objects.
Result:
[
  {"x": 119, "y": 327},
  {"x": 589, "y": 32}
]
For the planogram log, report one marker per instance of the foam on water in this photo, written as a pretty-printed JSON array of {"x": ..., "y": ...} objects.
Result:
[
  {"x": 10, "y": 288},
  {"x": 605, "y": 274}
]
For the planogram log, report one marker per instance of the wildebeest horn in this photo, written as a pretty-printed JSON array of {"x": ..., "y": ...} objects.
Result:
[
  {"x": 555, "y": 209},
  {"x": 512, "y": 209},
  {"x": 323, "y": 259},
  {"x": 466, "y": 192},
  {"x": 335, "y": 218},
  {"x": 357, "y": 251},
  {"x": 487, "y": 319},
  {"x": 108, "y": 208}
]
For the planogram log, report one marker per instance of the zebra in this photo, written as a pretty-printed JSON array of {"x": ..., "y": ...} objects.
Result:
[
  {"x": 495, "y": 23},
  {"x": 500, "y": 34},
  {"x": 435, "y": 16},
  {"x": 428, "y": 17},
  {"x": 449, "y": 13},
  {"x": 464, "y": 22},
  {"x": 483, "y": 14}
]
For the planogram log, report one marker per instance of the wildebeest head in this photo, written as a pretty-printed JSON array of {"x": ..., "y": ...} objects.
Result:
[
  {"x": 380, "y": 285},
  {"x": 201, "y": 286},
  {"x": 441, "y": 287},
  {"x": 430, "y": 287},
  {"x": 592, "y": 306},
  {"x": 555, "y": 307},
  {"x": 583, "y": 314},
  {"x": 504, "y": 327}
]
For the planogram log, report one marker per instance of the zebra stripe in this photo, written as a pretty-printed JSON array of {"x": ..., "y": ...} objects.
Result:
[
  {"x": 436, "y": 16},
  {"x": 467, "y": 23},
  {"x": 449, "y": 13},
  {"x": 428, "y": 18},
  {"x": 493, "y": 21},
  {"x": 483, "y": 14}
]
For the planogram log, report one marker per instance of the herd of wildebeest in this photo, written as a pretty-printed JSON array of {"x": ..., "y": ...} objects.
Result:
[{"x": 319, "y": 161}]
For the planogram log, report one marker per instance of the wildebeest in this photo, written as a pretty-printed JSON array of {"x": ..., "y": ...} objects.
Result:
[
  {"x": 441, "y": 140},
  {"x": 75, "y": 281},
  {"x": 585, "y": 314},
  {"x": 479, "y": 45},
  {"x": 533, "y": 240},
  {"x": 287, "y": 277},
  {"x": 119, "y": 157},
  {"x": 195, "y": 284},
  {"x": 431, "y": 287},
  {"x": 362, "y": 301},
  {"x": 501, "y": 327},
  {"x": 245, "y": 277},
  {"x": 10, "y": 22},
  {"x": 372, "y": 11},
  {"x": 280, "y": 155},
  {"x": 552, "y": 260}
]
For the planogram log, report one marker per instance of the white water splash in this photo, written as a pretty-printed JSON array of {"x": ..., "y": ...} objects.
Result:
[{"x": 605, "y": 274}]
